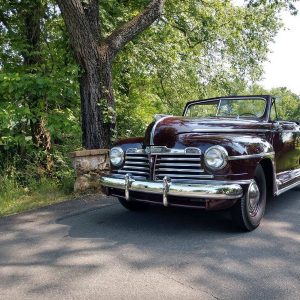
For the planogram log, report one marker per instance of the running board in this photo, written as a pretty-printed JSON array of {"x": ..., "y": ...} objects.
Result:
[{"x": 289, "y": 187}]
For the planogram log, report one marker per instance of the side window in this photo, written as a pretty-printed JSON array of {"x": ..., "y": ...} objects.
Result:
[
  {"x": 283, "y": 110},
  {"x": 286, "y": 109},
  {"x": 274, "y": 116}
]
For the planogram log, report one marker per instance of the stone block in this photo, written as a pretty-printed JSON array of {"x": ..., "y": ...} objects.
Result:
[{"x": 89, "y": 166}]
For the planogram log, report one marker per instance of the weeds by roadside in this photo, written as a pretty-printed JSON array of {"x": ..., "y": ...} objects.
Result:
[
  {"x": 15, "y": 198},
  {"x": 26, "y": 182}
]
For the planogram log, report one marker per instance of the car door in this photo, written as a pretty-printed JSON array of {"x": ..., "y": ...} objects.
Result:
[{"x": 286, "y": 144}]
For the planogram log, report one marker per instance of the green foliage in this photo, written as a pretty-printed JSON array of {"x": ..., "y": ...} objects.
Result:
[
  {"x": 275, "y": 4},
  {"x": 197, "y": 50},
  {"x": 45, "y": 89},
  {"x": 288, "y": 104},
  {"x": 16, "y": 114}
]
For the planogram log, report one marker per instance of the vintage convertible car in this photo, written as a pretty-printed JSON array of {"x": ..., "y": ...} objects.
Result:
[{"x": 223, "y": 153}]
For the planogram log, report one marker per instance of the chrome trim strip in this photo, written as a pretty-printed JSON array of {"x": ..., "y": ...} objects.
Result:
[
  {"x": 241, "y": 182},
  {"x": 208, "y": 130},
  {"x": 196, "y": 181},
  {"x": 161, "y": 150},
  {"x": 136, "y": 168},
  {"x": 177, "y": 165},
  {"x": 183, "y": 176},
  {"x": 275, "y": 183},
  {"x": 135, "y": 151},
  {"x": 280, "y": 191},
  {"x": 205, "y": 181},
  {"x": 154, "y": 127},
  {"x": 209, "y": 190},
  {"x": 159, "y": 169},
  {"x": 133, "y": 172},
  {"x": 250, "y": 156},
  {"x": 136, "y": 158},
  {"x": 179, "y": 158},
  {"x": 136, "y": 163}
]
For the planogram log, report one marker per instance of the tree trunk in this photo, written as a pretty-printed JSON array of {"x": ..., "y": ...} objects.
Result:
[
  {"x": 32, "y": 58},
  {"x": 97, "y": 103}
]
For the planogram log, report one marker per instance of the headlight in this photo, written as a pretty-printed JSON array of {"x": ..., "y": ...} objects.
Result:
[
  {"x": 216, "y": 157},
  {"x": 116, "y": 156}
]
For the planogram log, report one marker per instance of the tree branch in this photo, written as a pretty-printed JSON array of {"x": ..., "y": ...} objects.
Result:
[{"x": 127, "y": 32}]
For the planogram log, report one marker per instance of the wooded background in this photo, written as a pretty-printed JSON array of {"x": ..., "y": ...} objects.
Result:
[{"x": 111, "y": 65}]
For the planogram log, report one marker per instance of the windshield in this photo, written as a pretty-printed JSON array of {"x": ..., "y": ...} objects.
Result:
[{"x": 228, "y": 108}]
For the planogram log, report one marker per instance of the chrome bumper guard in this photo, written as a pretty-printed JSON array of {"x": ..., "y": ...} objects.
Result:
[{"x": 210, "y": 190}]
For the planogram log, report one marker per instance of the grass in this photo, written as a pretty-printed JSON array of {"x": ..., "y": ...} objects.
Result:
[{"x": 15, "y": 198}]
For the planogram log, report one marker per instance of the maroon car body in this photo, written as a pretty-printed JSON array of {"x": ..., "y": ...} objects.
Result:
[{"x": 161, "y": 167}]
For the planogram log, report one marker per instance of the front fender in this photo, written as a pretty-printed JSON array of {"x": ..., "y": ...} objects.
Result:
[
  {"x": 245, "y": 152},
  {"x": 234, "y": 144}
]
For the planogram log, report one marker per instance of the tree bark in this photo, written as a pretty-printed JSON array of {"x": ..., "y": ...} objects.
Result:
[
  {"x": 95, "y": 56},
  {"x": 97, "y": 101},
  {"x": 32, "y": 58}
]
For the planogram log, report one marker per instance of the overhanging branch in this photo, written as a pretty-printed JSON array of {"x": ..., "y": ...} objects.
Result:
[{"x": 127, "y": 32}]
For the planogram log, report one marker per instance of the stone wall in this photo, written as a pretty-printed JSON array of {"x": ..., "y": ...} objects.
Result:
[{"x": 89, "y": 166}]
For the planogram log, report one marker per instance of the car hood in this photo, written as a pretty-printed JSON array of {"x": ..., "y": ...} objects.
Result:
[{"x": 166, "y": 131}]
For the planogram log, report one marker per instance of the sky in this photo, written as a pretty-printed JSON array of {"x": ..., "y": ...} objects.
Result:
[{"x": 283, "y": 66}]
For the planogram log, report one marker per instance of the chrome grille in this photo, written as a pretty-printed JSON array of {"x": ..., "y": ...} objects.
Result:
[
  {"x": 176, "y": 164},
  {"x": 179, "y": 167},
  {"x": 136, "y": 164}
]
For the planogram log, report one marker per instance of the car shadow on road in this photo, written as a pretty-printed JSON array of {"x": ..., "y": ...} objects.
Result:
[{"x": 159, "y": 220}]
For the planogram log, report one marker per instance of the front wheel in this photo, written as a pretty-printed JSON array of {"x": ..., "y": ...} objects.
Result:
[
  {"x": 249, "y": 211},
  {"x": 133, "y": 205}
]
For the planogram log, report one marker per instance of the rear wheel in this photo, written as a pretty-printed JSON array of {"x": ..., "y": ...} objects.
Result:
[
  {"x": 249, "y": 211},
  {"x": 133, "y": 205}
]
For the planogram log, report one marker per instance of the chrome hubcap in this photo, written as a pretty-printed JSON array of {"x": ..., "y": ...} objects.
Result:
[{"x": 253, "y": 198}]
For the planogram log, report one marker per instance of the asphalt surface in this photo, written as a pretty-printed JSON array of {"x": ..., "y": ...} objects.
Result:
[{"x": 95, "y": 249}]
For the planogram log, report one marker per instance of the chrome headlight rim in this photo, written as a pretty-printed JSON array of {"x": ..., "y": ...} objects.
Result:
[
  {"x": 120, "y": 162},
  {"x": 224, "y": 155}
]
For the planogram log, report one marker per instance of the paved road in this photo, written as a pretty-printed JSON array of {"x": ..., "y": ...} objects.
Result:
[{"x": 98, "y": 250}]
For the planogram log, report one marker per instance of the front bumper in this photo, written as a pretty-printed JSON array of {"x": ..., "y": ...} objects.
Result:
[{"x": 207, "y": 190}]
